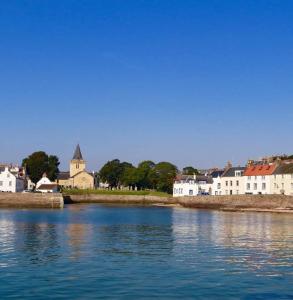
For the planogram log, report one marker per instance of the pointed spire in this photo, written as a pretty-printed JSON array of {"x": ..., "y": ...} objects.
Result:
[{"x": 77, "y": 153}]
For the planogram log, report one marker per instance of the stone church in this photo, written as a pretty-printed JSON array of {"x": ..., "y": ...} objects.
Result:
[{"x": 77, "y": 177}]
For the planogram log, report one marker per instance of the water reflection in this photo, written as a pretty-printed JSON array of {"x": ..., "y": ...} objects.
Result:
[{"x": 257, "y": 241}]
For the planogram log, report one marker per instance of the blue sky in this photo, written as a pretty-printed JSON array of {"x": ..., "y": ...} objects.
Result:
[{"x": 192, "y": 82}]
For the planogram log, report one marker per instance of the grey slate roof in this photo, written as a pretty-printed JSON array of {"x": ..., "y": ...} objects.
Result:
[
  {"x": 217, "y": 173},
  {"x": 63, "y": 175},
  {"x": 77, "y": 153},
  {"x": 284, "y": 169},
  {"x": 231, "y": 171}
]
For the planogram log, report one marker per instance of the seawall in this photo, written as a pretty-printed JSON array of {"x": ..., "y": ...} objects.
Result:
[
  {"x": 31, "y": 200},
  {"x": 119, "y": 199},
  {"x": 277, "y": 203}
]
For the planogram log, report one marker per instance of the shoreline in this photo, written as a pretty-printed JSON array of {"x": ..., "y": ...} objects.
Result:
[
  {"x": 236, "y": 203},
  {"x": 240, "y": 203}
]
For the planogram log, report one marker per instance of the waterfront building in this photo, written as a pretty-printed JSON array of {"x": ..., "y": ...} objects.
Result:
[
  {"x": 282, "y": 179},
  {"x": 258, "y": 179},
  {"x": 232, "y": 181},
  {"x": 77, "y": 176},
  {"x": 217, "y": 182},
  {"x": 10, "y": 181},
  {"x": 192, "y": 185},
  {"x": 44, "y": 185}
]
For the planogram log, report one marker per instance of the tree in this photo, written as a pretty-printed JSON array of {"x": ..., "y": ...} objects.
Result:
[
  {"x": 163, "y": 176},
  {"x": 114, "y": 173},
  {"x": 39, "y": 163},
  {"x": 111, "y": 172},
  {"x": 144, "y": 171},
  {"x": 190, "y": 171}
]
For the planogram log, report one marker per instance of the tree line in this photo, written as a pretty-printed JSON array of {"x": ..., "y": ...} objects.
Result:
[{"x": 147, "y": 174}]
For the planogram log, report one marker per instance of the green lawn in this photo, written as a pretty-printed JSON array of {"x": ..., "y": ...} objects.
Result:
[{"x": 114, "y": 192}]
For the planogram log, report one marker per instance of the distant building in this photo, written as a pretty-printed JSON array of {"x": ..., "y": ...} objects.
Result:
[
  {"x": 282, "y": 179},
  {"x": 192, "y": 185},
  {"x": 10, "y": 181},
  {"x": 44, "y": 185},
  {"x": 232, "y": 181},
  {"x": 258, "y": 179},
  {"x": 217, "y": 183},
  {"x": 77, "y": 177}
]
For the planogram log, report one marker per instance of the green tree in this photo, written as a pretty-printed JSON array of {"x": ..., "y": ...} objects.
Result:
[
  {"x": 114, "y": 173},
  {"x": 111, "y": 172},
  {"x": 163, "y": 176},
  {"x": 189, "y": 171},
  {"x": 39, "y": 163},
  {"x": 144, "y": 174}
]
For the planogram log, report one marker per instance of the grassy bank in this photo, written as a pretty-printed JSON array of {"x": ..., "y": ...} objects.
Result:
[{"x": 113, "y": 192}]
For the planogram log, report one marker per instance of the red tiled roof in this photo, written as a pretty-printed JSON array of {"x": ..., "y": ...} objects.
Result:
[{"x": 260, "y": 170}]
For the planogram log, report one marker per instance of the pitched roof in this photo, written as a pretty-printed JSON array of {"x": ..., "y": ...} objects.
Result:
[
  {"x": 284, "y": 169},
  {"x": 77, "y": 153},
  {"x": 63, "y": 175},
  {"x": 217, "y": 173},
  {"x": 231, "y": 171},
  {"x": 260, "y": 170},
  {"x": 47, "y": 186}
]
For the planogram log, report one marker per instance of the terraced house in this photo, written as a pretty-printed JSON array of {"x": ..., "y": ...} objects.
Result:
[
  {"x": 282, "y": 179},
  {"x": 258, "y": 179},
  {"x": 232, "y": 181}
]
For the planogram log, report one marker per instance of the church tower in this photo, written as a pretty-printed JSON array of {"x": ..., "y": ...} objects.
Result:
[{"x": 77, "y": 164}]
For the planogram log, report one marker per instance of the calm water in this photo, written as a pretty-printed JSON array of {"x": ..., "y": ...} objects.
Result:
[{"x": 111, "y": 252}]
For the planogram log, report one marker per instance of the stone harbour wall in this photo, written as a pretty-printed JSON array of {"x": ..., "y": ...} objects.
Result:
[{"x": 31, "y": 200}]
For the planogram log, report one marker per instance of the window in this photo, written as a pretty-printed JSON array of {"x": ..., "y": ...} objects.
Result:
[
  {"x": 1, "y": 183},
  {"x": 238, "y": 173},
  {"x": 263, "y": 177},
  {"x": 275, "y": 177},
  {"x": 8, "y": 175},
  {"x": 190, "y": 192},
  {"x": 291, "y": 185},
  {"x": 226, "y": 192},
  {"x": 231, "y": 183},
  {"x": 282, "y": 185},
  {"x": 255, "y": 186},
  {"x": 263, "y": 185},
  {"x": 291, "y": 176},
  {"x": 226, "y": 183},
  {"x": 255, "y": 177},
  {"x": 275, "y": 185},
  {"x": 174, "y": 191},
  {"x": 216, "y": 193},
  {"x": 10, "y": 183},
  {"x": 237, "y": 183},
  {"x": 249, "y": 178},
  {"x": 282, "y": 176},
  {"x": 248, "y": 186},
  {"x": 219, "y": 186},
  {"x": 237, "y": 192}
]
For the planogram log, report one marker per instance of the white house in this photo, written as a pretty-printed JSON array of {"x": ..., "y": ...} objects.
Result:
[
  {"x": 192, "y": 185},
  {"x": 44, "y": 185},
  {"x": 282, "y": 179},
  {"x": 232, "y": 181},
  {"x": 258, "y": 179},
  {"x": 217, "y": 182},
  {"x": 10, "y": 182}
]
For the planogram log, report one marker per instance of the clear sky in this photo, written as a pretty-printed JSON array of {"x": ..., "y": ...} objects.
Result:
[{"x": 192, "y": 82}]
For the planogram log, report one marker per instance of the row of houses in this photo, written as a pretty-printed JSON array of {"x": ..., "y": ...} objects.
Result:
[{"x": 255, "y": 178}]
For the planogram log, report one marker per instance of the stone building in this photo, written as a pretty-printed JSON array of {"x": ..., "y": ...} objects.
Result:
[{"x": 77, "y": 176}]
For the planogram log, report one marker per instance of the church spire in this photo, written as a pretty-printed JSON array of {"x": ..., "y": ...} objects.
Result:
[{"x": 77, "y": 153}]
